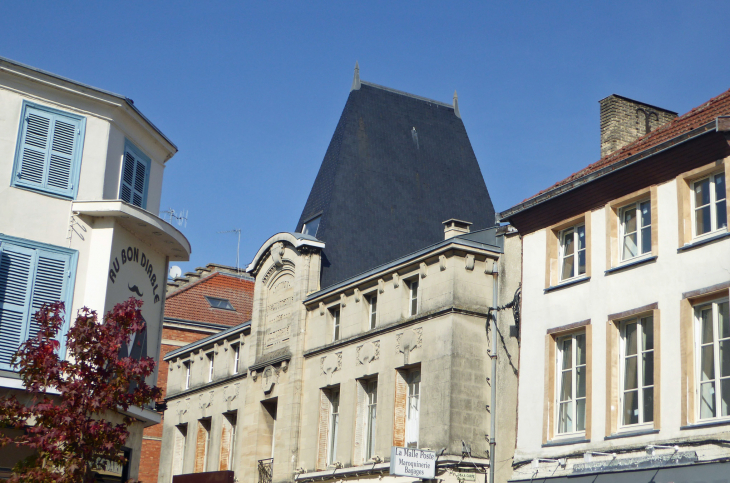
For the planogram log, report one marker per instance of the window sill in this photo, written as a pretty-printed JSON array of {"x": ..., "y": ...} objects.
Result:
[
  {"x": 575, "y": 281},
  {"x": 703, "y": 241},
  {"x": 629, "y": 434},
  {"x": 706, "y": 424},
  {"x": 631, "y": 264},
  {"x": 566, "y": 441}
]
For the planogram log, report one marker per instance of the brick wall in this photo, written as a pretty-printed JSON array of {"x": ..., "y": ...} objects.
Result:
[{"x": 623, "y": 121}]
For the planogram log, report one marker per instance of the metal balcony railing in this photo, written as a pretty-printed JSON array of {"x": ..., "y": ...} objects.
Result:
[{"x": 265, "y": 470}]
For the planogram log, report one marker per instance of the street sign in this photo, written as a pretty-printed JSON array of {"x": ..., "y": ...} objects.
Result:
[{"x": 412, "y": 462}]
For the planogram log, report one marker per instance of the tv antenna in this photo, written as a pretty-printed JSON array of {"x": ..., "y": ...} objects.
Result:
[
  {"x": 180, "y": 217},
  {"x": 238, "y": 247}
]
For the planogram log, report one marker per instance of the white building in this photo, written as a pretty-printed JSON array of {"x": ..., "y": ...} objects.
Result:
[
  {"x": 626, "y": 269},
  {"x": 80, "y": 183}
]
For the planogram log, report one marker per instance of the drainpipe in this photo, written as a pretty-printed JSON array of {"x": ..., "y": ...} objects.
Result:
[{"x": 493, "y": 356}]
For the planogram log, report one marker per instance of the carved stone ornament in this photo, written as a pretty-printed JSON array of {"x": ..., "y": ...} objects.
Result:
[
  {"x": 469, "y": 261},
  {"x": 277, "y": 254},
  {"x": 488, "y": 268},
  {"x": 331, "y": 364},
  {"x": 396, "y": 280},
  {"x": 321, "y": 308},
  {"x": 203, "y": 404},
  {"x": 254, "y": 375},
  {"x": 423, "y": 270},
  {"x": 230, "y": 393},
  {"x": 268, "y": 379},
  {"x": 368, "y": 352},
  {"x": 181, "y": 410},
  {"x": 408, "y": 341},
  {"x": 357, "y": 295},
  {"x": 343, "y": 300},
  {"x": 285, "y": 366},
  {"x": 442, "y": 262},
  {"x": 381, "y": 285}
]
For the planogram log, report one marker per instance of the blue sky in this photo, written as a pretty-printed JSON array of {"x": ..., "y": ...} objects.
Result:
[{"x": 251, "y": 92}]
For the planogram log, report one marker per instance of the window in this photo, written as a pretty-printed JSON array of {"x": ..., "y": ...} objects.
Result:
[
  {"x": 571, "y": 401},
  {"x": 236, "y": 357},
  {"x": 48, "y": 153},
  {"x": 413, "y": 408},
  {"x": 135, "y": 176},
  {"x": 373, "y": 309},
  {"x": 178, "y": 453},
  {"x": 211, "y": 361},
  {"x": 372, "y": 396},
  {"x": 31, "y": 274},
  {"x": 635, "y": 230},
  {"x": 713, "y": 338},
  {"x": 710, "y": 204},
  {"x": 572, "y": 252},
  {"x": 413, "y": 288},
  {"x": 187, "y": 374},
  {"x": 228, "y": 441},
  {"x": 310, "y": 228},
  {"x": 334, "y": 425},
  {"x": 637, "y": 371},
  {"x": 335, "y": 324},
  {"x": 217, "y": 303},
  {"x": 202, "y": 445}
]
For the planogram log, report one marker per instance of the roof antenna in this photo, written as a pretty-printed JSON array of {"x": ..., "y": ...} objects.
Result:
[
  {"x": 356, "y": 79},
  {"x": 238, "y": 247},
  {"x": 456, "y": 105}
]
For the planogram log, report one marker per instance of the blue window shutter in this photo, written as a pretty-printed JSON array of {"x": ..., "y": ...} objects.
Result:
[
  {"x": 49, "y": 285},
  {"x": 135, "y": 176},
  {"x": 49, "y": 154},
  {"x": 17, "y": 265}
]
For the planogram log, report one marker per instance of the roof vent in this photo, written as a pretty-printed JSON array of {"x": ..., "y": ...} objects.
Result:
[{"x": 454, "y": 227}]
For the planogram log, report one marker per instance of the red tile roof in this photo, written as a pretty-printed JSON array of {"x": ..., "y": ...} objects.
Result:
[
  {"x": 189, "y": 303},
  {"x": 717, "y": 106}
]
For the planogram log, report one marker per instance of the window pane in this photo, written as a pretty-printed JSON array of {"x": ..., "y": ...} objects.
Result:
[
  {"x": 566, "y": 386},
  {"x": 648, "y": 404},
  {"x": 721, "y": 221},
  {"x": 580, "y": 381},
  {"x": 581, "y": 237},
  {"x": 630, "y": 375},
  {"x": 580, "y": 416},
  {"x": 703, "y": 220},
  {"x": 630, "y": 249},
  {"x": 702, "y": 192},
  {"x": 707, "y": 363},
  {"x": 647, "y": 328},
  {"x": 720, "y": 193},
  {"x": 725, "y": 396},
  {"x": 630, "y": 219},
  {"x": 568, "y": 247},
  {"x": 567, "y": 353},
  {"x": 723, "y": 320},
  {"x": 725, "y": 358},
  {"x": 646, "y": 239},
  {"x": 580, "y": 355},
  {"x": 706, "y": 318},
  {"x": 567, "y": 267},
  {"x": 707, "y": 400},
  {"x": 630, "y": 337},
  {"x": 648, "y": 368},
  {"x": 631, "y": 407},
  {"x": 645, "y": 209},
  {"x": 581, "y": 262},
  {"x": 565, "y": 418}
]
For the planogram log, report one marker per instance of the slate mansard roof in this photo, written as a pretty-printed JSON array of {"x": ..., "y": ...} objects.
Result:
[{"x": 397, "y": 166}]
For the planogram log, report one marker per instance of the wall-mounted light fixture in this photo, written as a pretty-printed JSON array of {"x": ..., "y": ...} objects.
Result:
[
  {"x": 651, "y": 449},
  {"x": 536, "y": 462},
  {"x": 588, "y": 455}
]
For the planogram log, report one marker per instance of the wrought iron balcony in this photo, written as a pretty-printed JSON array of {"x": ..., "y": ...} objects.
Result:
[{"x": 265, "y": 470}]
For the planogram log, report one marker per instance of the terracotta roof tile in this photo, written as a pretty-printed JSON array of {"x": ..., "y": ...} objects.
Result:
[
  {"x": 717, "y": 106},
  {"x": 189, "y": 302}
]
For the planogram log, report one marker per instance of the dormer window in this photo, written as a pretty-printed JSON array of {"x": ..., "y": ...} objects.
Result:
[
  {"x": 217, "y": 303},
  {"x": 310, "y": 227}
]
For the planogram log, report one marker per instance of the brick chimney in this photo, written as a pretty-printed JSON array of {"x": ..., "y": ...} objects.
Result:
[{"x": 624, "y": 120}]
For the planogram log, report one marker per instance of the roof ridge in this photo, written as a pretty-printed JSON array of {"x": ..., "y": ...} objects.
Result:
[{"x": 407, "y": 94}]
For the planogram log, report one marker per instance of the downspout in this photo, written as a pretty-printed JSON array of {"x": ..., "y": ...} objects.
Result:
[{"x": 493, "y": 385}]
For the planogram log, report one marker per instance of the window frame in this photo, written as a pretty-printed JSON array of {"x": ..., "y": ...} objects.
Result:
[
  {"x": 211, "y": 365},
  {"x": 75, "y": 173},
  {"x": 146, "y": 160},
  {"x": 186, "y": 381},
  {"x": 318, "y": 219},
  {"x": 371, "y": 394},
  {"x": 639, "y": 321},
  {"x": 333, "y": 425},
  {"x": 574, "y": 395},
  {"x": 575, "y": 254},
  {"x": 71, "y": 256},
  {"x": 372, "y": 300},
  {"x": 712, "y": 204},
  {"x": 639, "y": 231},
  {"x": 698, "y": 344},
  {"x": 336, "y": 316},
  {"x": 413, "y": 296},
  {"x": 208, "y": 298},
  {"x": 412, "y": 425},
  {"x": 236, "y": 347}
]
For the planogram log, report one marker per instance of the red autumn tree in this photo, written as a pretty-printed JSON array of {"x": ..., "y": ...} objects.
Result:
[{"x": 66, "y": 422}]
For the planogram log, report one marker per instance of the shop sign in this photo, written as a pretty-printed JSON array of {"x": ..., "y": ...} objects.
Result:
[
  {"x": 412, "y": 462},
  {"x": 466, "y": 476}
]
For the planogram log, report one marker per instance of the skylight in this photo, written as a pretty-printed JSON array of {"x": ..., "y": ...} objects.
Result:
[
  {"x": 217, "y": 303},
  {"x": 310, "y": 227}
]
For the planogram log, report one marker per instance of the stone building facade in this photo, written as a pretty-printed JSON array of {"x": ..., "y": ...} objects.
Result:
[
  {"x": 202, "y": 303},
  {"x": 625, "y": 312}
]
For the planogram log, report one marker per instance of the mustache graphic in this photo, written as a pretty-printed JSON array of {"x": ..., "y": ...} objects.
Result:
[{"x": 135, "y": 289}]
